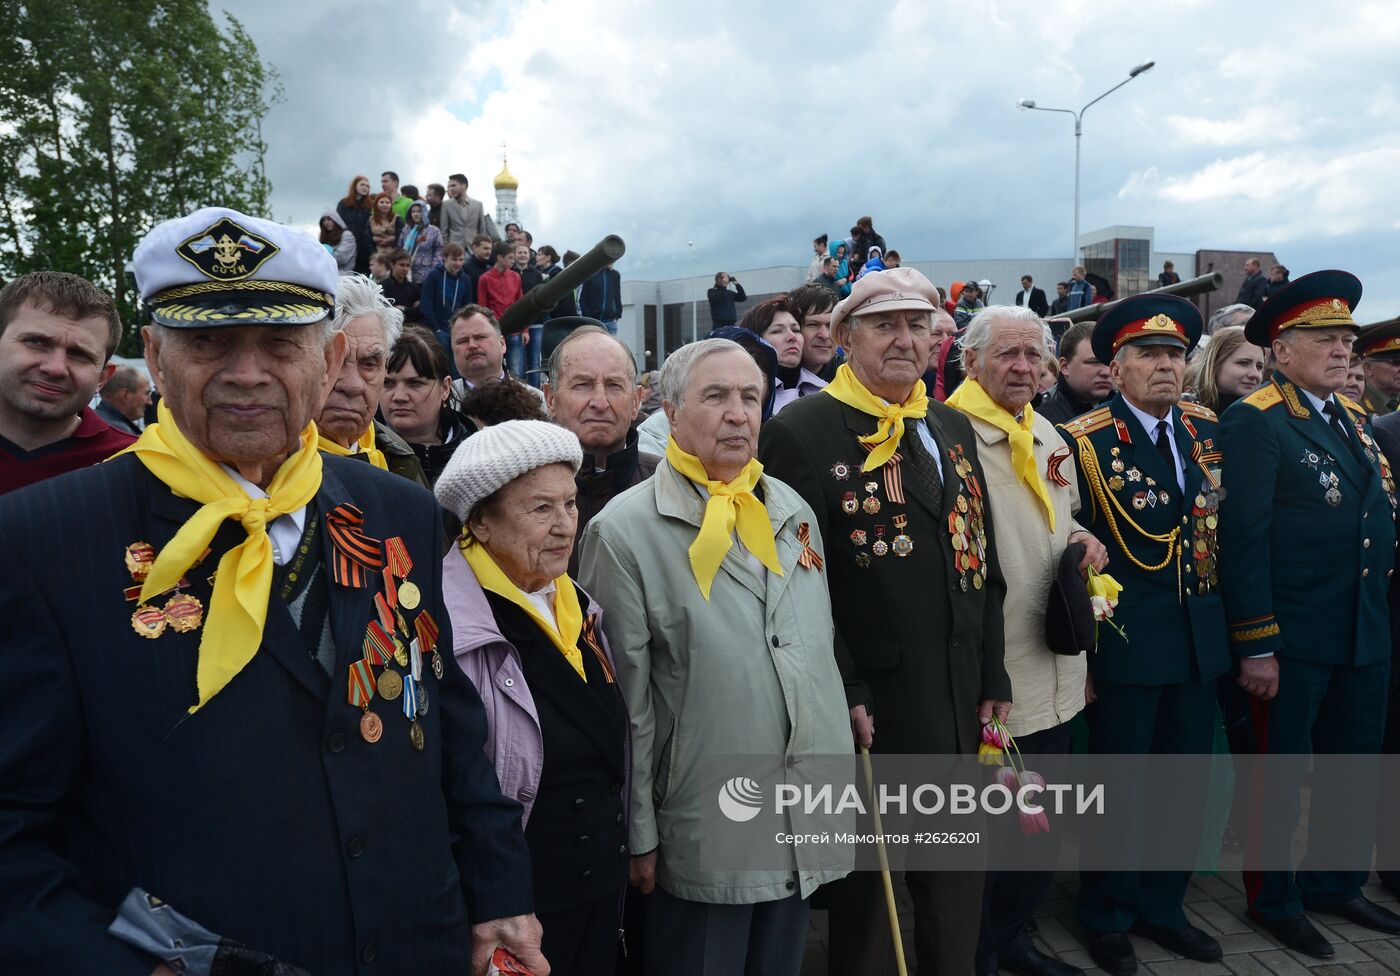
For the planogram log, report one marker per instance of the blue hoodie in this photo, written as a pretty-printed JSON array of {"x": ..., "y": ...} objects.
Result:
[
  {"x": 843, "y": 269},
  {"x": 442, "y": 294}
]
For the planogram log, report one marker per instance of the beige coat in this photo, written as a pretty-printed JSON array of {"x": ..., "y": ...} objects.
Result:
[
  {"x": 1046, "y": 688},
  {"x": 752, "y": 672}
]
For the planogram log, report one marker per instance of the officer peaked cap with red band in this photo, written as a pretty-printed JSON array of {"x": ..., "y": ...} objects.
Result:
[
  {"x": 1379, "y": 339},
  {"x": 1147, "y": 320},
  {"x": 1321, "y": 300}
]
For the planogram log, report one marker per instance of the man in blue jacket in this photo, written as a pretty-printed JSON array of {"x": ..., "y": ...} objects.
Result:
[
  {"x": 235, "y": 689},
  {"x": 446, "y": 289},
  {"x": 601, "y": 298}
]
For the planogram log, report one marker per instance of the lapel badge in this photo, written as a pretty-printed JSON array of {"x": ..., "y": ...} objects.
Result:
[
  {"x": 148, "y": 621},
  {"x": 1134, "y": 475},
  {"x": 841, "y": 471},
  {"x": 849, "y": 505},
  {"x": 1052, "y": 468},
  {"x": 140, "y": 557},
  {"x": 880, "y": 547},
  {"x": 184, "y": 613},
  {"x": 1140, "y": 500},
  {"x": 1116, "y": 482},
  {"x": 862, "y": 560},
  {"x": 858, "y": 538},
  {"x": 808, "y": 558}
]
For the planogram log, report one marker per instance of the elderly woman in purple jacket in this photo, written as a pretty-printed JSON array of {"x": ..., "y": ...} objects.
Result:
[{"x": 530, "y": 639}]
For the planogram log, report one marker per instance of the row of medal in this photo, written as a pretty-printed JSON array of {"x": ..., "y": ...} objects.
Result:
[
  {"x": 901, "y": 545},
  {"x": 967, "y": 525},
  {"x": 1205, "y": 513},
  {"x": 390, "y": 641},
  {"x": 1327, "y": 478},
  {"x": 182, "y": 612},
  {"x": 1141, "y": 500}
]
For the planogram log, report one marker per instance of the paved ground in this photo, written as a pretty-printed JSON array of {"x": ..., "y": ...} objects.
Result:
[{"x": 1217, "y": 905}]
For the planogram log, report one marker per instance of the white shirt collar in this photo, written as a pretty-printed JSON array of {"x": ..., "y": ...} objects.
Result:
[
  {"x": 1149, "y": 422},
  {"x": 1317, "y": 401},
  {"x": 285, "y": 531}
]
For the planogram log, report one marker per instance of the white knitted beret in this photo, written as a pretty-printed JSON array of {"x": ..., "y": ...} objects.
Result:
[{"x": 495, "y": 456}]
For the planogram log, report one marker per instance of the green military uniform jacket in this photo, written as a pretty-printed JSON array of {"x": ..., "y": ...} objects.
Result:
[
  {"x": 1308, "y": 531},
  {"x": 1161, "y": 543},
  {"x": 1374, "y": 402},
  {"x": 918, "y": 636}
]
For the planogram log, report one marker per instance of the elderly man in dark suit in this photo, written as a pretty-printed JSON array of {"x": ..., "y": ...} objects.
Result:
[
  {"x": 916, "y": 591},
  {"x": 256, "y": 717}
]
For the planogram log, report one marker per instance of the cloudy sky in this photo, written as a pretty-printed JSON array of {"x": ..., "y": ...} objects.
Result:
[{"x": 748, "y": 128}]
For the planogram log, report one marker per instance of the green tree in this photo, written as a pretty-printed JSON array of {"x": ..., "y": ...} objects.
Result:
[{"x": 118, "y": 114}]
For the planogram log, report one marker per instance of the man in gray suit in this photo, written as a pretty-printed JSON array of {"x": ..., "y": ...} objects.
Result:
[{"x": 462, "y": 217}]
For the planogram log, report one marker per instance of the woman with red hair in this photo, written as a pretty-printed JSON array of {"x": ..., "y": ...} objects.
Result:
[{"x": 354, "y": 210}]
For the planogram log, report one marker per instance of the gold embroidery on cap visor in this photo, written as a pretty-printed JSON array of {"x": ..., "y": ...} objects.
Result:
[
  {"x": 1159, "y": 324},
  {"x": 243, "y": 303}
]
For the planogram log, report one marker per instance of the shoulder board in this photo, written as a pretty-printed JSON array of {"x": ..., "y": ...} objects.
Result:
[
  {"x": 1096, "y": 419},
  {"x": 1265, "y": 397},
  {"x": 1191, "y": 409},
  {"x": 1352, "y": 407}
]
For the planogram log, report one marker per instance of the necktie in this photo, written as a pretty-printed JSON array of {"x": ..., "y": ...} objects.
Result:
[
  {"x": 922, "y": 464},
  {"x": 1334, "y": 417},
  {"x": 1164, "y": 446}
]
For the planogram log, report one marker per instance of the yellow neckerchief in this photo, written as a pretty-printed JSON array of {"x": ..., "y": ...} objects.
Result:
[
  {"x": 238, "y": 606},
  {"x": 973, "y": 400},
  {"x": 366, "y": 444},
  {"x": 846, "y": 388},
  {"x": 567, "y": 612},
  {"x": 731, "y": 505}
]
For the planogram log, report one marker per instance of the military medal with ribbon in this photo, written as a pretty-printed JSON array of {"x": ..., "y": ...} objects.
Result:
[{"x": 360, "y": 692}]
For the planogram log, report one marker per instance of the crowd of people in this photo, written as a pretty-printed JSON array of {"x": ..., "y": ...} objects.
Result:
[
  {"x": 390, "y": 662},
  {"x": 436, "y": 253}
]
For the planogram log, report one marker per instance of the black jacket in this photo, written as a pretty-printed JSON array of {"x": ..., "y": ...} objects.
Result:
[
  {"x": 1253, "y": 290},
  {"x": 532, "y": 278},
  {"x": 453, "y": 428},
  {"x": 403, "y": 294},
  {"x": 1063, "y": 404},
  {"x": 596, "y": 488},
  {"x": 567, "y": 306},
  {"x": 1038, "y": 303},
  {"x": 723, "y": 302},
  {"x": 601, "y": 296},
  {"x": 265, "y": 817},
  {"x": 357, "y": 223},
  {"x": 915, "y": 638}
]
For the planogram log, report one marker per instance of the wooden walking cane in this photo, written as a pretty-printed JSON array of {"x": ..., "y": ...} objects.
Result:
[{"x": 884, "y": 865}]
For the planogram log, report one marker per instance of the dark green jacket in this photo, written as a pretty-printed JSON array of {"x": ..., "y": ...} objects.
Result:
[
  {"x": 916, "y": 639},
  {"x": 1303, "y": 577},
  {"x": 1170, "y": 608}
]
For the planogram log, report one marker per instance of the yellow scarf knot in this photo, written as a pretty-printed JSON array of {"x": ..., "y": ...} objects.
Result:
[
  {"x": 238, "y": 606},
  {"x": 563, "y": 631},
  {"x": 732, "y": 506},
  {"x": 888, "y": 433},
  {"x": 972, "y": 399},
  {"x": 365, "y": 443}
]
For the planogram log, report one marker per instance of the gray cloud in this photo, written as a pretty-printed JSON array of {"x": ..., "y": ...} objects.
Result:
[{"x": 749, "y": 128}]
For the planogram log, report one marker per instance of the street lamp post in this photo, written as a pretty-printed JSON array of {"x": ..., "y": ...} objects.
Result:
[
  {"x": 694, "y": 299},
  {"x": 1028, "y": 104}
]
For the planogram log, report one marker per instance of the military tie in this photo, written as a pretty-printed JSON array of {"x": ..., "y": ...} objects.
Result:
[
  {"x": 1164, "y": 446},
  {"x": 921, "y": 463},
  {"x": 1334, "y": 417}
]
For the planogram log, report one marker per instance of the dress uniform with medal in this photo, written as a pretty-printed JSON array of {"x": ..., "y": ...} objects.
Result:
[
  {"x": 1149, "y": 476},
  {"x": 239, "y": 697},
  {"x": 916, "y": 591},
  {"x": 1307, "y": 553}
]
